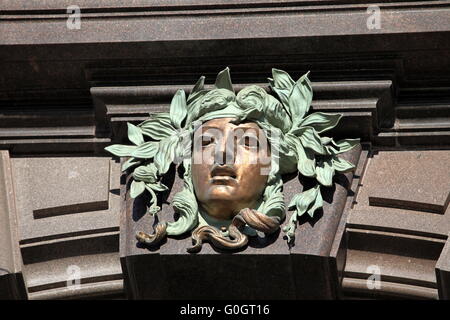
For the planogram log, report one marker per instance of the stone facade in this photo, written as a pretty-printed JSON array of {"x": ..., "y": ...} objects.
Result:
[{"x": 67, "y": 93}]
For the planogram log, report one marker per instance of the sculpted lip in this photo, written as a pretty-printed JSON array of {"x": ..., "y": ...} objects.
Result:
[{"x": 223, "y": 173}]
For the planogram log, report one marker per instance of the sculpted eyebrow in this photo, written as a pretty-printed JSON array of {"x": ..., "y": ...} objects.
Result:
[
  {"x": 210, "y": 127},
  {"x": 246, "y": 128}
]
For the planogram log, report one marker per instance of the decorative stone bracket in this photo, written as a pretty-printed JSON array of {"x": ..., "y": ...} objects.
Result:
[{"x": 367, "y": 106}]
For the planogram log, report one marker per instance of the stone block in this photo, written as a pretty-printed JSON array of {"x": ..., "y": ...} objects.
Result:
[
  {"x": 268, "y": 268},
  {"x": 11, "y": 280},
  {"x": 65, "y": 195}
]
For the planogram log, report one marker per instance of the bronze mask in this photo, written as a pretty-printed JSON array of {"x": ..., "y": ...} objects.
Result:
[{"x": 230, "y": 166}]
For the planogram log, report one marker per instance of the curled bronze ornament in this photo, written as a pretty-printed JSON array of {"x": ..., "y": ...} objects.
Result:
[
  {"x": 236, "y": 239},
  {"x": 260, "y": 221},
  {"x": 155, "y": 238}
]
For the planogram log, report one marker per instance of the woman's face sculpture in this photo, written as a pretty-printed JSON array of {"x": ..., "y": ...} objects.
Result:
[{"x": 230, "y": 166}]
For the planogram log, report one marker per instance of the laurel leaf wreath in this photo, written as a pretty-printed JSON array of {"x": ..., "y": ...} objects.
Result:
[{"x": 161, "y": 140}]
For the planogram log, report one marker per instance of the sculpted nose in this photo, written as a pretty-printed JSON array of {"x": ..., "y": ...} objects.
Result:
[{"x": 225, "y": 152}]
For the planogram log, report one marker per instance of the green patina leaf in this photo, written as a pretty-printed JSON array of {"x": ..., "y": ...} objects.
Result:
[
  {"x": 300, "y": 99},
  {"x": 307, "y": 199},
  {"x": 223, "y": 80},
  {"x": 158, "y": 128},
  {"x": 297, "y": 105},
  {"x": 185, "y": 204},
  {"x": 288, "y": 144},
  {"x": 193, "y": 104},
  {"x": 251, "y": 97},
  {"x": 342, "y": 165},
  {"x": 283, "y": 94},
  {"x": 317, "y": 204},
  {"x": 276, "y": 114},
  {"x": 165, "y": 116},
  {"x": 166, "y": 154},
  {"x": 130, "y": 163},
  {"x": 306, "y": 160},
  {"x": 183, "y": 149},
  {"x": 282, "y": 85},
  {"x": 302, "y": 200},
  {"x": 273, "y": 204},
  {"x": 146, "y": 150},
  {"x": 321, "y": 121},
  {"x": 217, "y": 111},
  {"x": 153, "y": 208},
  {"x": 250, "y": 114},
  {"x": 310, "y": 139},
  {"x": 178, "y": 109},
  {"x": 157, "y": 186},
  {"x": 325, "y": 172},
  {"x": 213, "y": 101},
  {"x": 281, "y": 79},
  {"x": 346, "y": 144},
  {"x": 326, "y": 140},
  {"x": 194, "y": 99},
  {"x": 294, "y": 200},
  {"x": 329, "y": 145},
  {"x": 199, "y": 85},
  {"x": 290, "y": 227},
  {"x": 135, "y": 134},
  {"x": 284, "y": 153},
  {"x": 136, "y": 188},
  {"x": 146, "y": 173},
  {"x": 121, "y": 150}
]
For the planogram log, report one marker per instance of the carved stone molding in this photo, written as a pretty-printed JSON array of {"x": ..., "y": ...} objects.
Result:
[
  {"x": 65, "y": 223},
  {"x": 399, "y": 224},
  {"x": 366, "y": 106},
  {"x": 443, "y": 272},
  {"x": 11, "y": 279},
  {"x": 214, "y": 19}
]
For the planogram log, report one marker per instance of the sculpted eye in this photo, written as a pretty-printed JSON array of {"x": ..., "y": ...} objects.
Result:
[
  {"x": 250, "y": 141},
  {"x": 206, "y": 140}
]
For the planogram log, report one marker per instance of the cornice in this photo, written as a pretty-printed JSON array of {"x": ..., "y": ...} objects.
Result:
[
  {"x": 12, "y": 9},
  {"x": 47, "y": 26}
]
